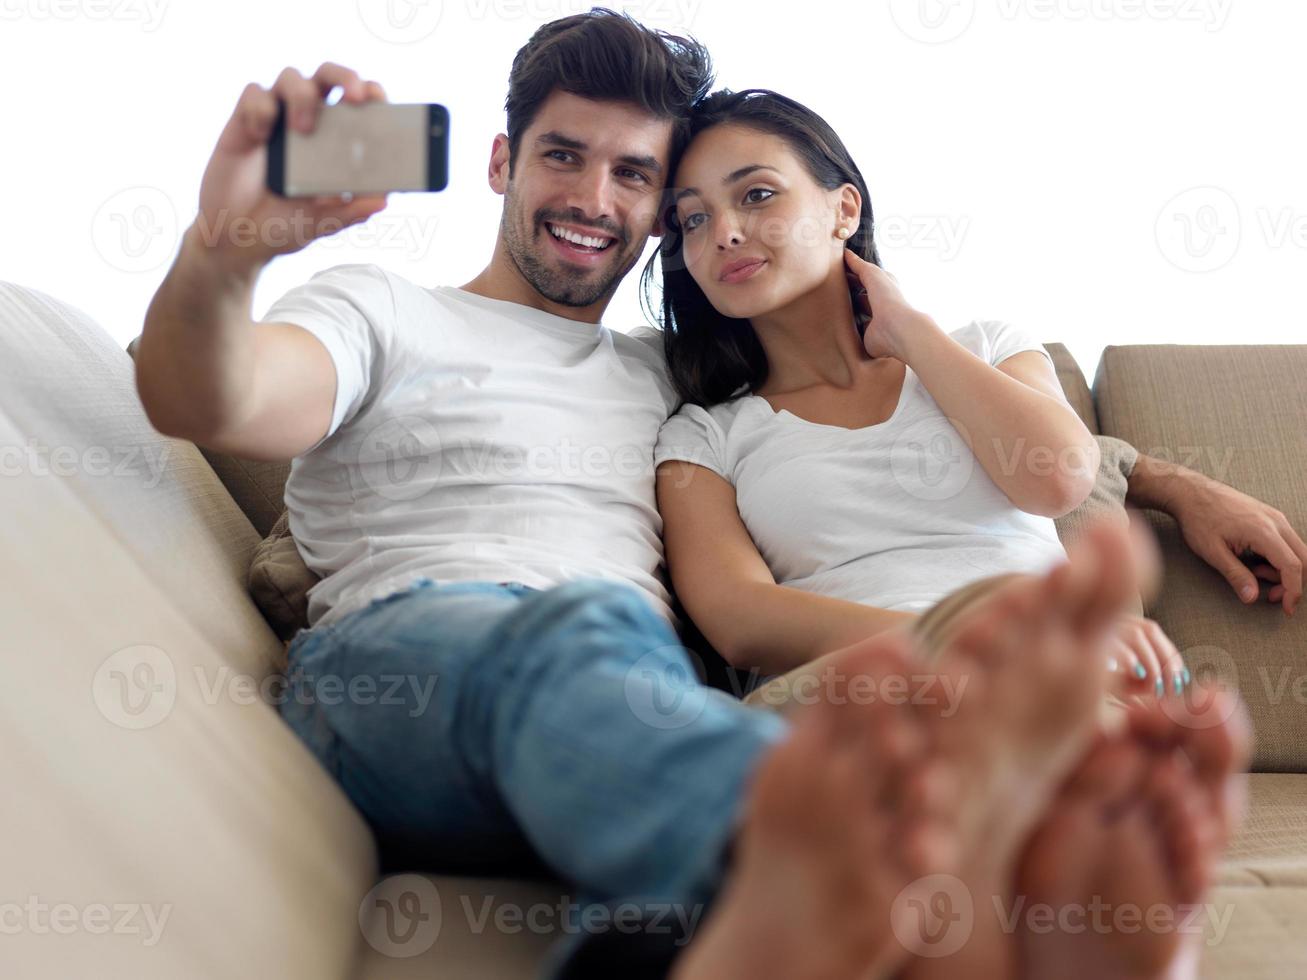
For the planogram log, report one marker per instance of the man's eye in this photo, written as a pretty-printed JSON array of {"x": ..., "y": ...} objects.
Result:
[
  {"x": 559, "y": 154},
  {"x": 634, "y": 173}
]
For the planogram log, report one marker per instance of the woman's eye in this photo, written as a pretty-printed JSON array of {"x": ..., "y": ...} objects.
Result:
[
  {"x": 691, "y": 222},
  {"x": 750, "y": 199}
]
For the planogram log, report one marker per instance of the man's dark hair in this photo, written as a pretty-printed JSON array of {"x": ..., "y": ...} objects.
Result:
[{"x": 604, "y": 55}]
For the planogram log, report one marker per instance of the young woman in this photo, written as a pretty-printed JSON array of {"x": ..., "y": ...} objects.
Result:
[{"x": 841, "y": 463}]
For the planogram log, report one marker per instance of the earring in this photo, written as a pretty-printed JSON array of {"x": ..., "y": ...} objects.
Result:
[{"x": 843, "y": 232}]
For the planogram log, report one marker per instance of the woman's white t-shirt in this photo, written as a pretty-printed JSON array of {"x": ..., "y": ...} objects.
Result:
[{"x": 895, "y": 515}]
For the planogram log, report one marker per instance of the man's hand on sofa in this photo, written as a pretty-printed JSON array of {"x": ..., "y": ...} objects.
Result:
[{"x": 1221, "y": 525}]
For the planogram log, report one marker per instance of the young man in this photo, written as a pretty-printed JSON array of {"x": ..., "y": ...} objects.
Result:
[{"x": 472, "y": 478}]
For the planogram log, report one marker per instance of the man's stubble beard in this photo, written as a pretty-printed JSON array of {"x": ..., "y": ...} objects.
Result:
[{"x": 559, "y": 286}]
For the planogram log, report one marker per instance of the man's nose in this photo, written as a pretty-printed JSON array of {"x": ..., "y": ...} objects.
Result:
[{"x": 591, "y": 195}]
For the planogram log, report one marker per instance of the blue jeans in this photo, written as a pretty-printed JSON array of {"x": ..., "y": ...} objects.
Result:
[{"x": 481, "y": 727}]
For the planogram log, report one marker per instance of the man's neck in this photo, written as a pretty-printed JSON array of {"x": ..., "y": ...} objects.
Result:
[{"x": 502, "y": 280}]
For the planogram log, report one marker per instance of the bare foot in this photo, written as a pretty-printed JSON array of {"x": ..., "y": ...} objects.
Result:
[
  {"x": 1031, "y": 660},
  {"x": 1209, "y": 726},
  {"x": 1110, "y": 884},
  {"x": 841, "y": 817}
]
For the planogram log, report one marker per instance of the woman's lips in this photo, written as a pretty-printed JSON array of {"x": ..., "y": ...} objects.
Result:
[{"x": 743, "y": 272}]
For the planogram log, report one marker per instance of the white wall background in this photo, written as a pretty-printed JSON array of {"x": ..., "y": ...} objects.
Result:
[{"x": 1102, "y": 171}]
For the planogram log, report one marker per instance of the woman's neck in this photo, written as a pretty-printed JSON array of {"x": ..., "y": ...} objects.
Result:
[{"x": 812, "y": 341}]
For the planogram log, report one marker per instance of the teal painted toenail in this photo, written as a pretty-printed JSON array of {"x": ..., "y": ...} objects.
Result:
[
  {"x": 1187, "y": 676},
  {"x": 1161, "y": 688},
  {"x": 1140, "y": 672},
  {"x": 1179, "y": 683}
]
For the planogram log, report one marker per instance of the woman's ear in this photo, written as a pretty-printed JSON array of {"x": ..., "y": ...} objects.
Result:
[{"x": 850, "y": 206}]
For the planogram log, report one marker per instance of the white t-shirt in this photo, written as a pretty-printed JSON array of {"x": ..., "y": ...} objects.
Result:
[
  {"x": 895, "y": 515},
  {"x": 473, "y": 439}
]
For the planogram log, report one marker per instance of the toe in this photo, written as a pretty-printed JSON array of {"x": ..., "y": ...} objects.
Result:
[{"x": 1112, "y": 771}]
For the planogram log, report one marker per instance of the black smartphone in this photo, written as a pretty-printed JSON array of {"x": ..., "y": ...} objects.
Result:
[{"x": 361, "y": 148}]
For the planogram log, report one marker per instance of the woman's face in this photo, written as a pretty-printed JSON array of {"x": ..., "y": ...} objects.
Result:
[{"x": 759, "y": 232}]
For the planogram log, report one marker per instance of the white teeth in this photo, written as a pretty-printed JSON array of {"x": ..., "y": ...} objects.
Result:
[{"x": 576, "y": 239}]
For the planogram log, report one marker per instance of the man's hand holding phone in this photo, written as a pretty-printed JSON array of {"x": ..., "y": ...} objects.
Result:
[{"x": 241, "y": 221}]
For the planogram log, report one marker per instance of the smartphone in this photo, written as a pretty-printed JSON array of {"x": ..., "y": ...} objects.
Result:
[{"x": 361, "y": 148}]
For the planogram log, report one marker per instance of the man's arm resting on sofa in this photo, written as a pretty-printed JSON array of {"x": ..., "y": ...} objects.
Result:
[{"x": 1220, "y": 524}]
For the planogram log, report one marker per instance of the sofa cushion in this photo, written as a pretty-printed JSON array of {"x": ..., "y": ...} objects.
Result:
[
  {"x": 465, "y": 928},
  {"x": 1262, "y": 934},
  {"x": 139, "y": 769},
  {"x": 255, "y": 485},
  {"x": 1107, "y": 499},
  {"x": 1237, "y": 414},
  {"x": 1271, "y": 847},
  {"x": 279, "y": 580},
  {"x": 1073, "y": 385},
  {"x": 70, "y": 392}
]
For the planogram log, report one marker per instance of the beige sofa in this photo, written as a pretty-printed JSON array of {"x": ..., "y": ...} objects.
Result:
[{"x": 161, "y": 821}]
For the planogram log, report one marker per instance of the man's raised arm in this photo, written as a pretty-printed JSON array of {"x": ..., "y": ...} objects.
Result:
[{"x": 205, "y": 371}]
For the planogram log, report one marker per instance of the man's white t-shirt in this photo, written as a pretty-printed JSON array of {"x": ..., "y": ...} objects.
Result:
[
  {"x": 895, "y": 515},
  {"x": 473, "y": 439}
]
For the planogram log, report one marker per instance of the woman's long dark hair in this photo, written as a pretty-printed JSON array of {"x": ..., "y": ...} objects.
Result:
[{"x": 711, "y": 355}]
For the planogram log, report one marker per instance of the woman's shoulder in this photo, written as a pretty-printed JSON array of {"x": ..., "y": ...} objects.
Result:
[
  {"x": 995, "y": 340},
  {"x": 723, "y": 415}
]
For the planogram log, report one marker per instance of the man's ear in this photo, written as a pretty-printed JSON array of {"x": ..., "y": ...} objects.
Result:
[
  {"x": 665, "y": 204},
  {"x": 499, "y": 165}
]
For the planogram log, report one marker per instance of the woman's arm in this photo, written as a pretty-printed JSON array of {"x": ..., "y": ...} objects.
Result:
[
  {"x": 728, "y": 590},
  {"x": 1014, "y": 417}
]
